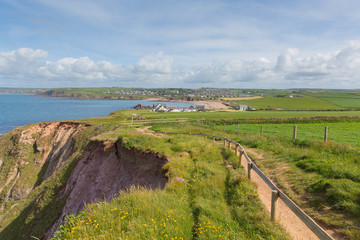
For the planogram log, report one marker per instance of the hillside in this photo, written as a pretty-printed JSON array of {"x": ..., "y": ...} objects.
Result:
[
  {"x": 178, "y": 185},
  {"x": 114, "y": 178}
]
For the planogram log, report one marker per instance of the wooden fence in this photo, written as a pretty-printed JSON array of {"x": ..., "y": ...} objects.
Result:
[
  {"x": 276, "y": 192},
  {"x": 293, "y": 135}
]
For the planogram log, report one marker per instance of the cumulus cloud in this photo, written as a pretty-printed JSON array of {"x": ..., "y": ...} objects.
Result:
[
  {"x": 82, "y": 67},
  {"x": 331, "y": 69},
  {"x": 155, "y": 63},
  {"x": 286, "y": 59},
  {"x": 21, "y": 61}
]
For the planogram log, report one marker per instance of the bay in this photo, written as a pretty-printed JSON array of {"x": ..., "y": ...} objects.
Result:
[{"x": 19, "y": 110}]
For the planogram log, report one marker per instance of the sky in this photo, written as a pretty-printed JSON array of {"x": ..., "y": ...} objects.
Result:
[{"x": 183, "y": 44}]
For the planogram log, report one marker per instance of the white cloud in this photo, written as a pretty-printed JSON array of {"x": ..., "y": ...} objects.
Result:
[
  {"x": 286, "y": 59},
  {"x": 155, "y": 63},
  {"x": 325, "y": 70},
  {"x": 21, "y": 61}
]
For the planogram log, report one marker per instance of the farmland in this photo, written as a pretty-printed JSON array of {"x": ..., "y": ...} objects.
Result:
[
  {"x": 340, "y": 132},
  {"x": 283, "y": 102},
  {"x": 230, "y": 115},
  {"x": 346, "y": 100}
]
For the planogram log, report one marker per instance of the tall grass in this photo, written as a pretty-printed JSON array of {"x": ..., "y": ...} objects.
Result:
[
  {"x": 324, "y": 178},
  {"x": 202, "y": 200}
]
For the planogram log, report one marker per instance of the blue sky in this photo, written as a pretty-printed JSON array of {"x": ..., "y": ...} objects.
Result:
[{"x": 189, "y": 43}]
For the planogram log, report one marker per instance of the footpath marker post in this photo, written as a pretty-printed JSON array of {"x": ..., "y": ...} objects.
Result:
[
  {"x": 274, "y": 198},
  {"x": 326, "y": 134}
]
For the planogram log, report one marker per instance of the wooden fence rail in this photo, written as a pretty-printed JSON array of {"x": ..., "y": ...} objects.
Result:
[{"x": 276, "y": 192}]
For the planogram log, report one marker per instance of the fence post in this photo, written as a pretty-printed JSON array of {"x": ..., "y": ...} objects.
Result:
[
  {"x": 326, "y": 134},
  {"x": 294, "y": 133},
  {"x": 214, "y": 138},
  {"x": 261, "y": 130},
  {"x": 240, "y": 156},
  {"x": 249, "y": 170},
  {"x": 236, "y": 147},
  {"x": 274, "y": 198},
  {"x": 229, "y": 146}
]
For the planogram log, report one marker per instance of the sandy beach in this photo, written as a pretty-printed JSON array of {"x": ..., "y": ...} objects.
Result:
[
  {"x": 207, "y": 104},
  {"x": 211, "y": 105}
]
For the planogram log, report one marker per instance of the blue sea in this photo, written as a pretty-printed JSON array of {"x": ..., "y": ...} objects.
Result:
[{"x": 19, "y": 110}]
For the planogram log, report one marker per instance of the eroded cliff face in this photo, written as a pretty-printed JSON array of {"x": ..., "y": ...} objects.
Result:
[
  {"x": 40, "y": 150},
  {"x": 32, "y": 158},
  {"x": 28, "y": 156},
  {"x": 104, "y": 170}
]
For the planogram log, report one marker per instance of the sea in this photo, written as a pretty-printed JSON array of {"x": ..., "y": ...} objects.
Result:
[{"x": 18, "y": 110}]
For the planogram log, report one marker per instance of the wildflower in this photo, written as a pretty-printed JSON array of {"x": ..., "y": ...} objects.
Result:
[{"x": 180, "y": 179}]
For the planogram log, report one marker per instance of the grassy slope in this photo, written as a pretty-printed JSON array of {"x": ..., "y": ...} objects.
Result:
[
  {"x": 93, "y": 92},
  {"x": 322, "y": 178},
  {"x": 326, "y": 176},
  {"x": 203, "y": 199}
]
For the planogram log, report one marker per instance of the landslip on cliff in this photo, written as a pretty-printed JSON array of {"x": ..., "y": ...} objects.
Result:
[{"x": 48, "y": 171}]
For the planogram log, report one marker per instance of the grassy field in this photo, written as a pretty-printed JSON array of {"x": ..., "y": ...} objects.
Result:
[
  {"x": 341, "y": 132},
  {"x": 346, "y": 100},
  {"x": 297, "y": 102},
  {"x": 230, "y": 115}
]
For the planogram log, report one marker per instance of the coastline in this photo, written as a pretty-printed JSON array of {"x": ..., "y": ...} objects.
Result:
[{"x": 208, "y": 104}]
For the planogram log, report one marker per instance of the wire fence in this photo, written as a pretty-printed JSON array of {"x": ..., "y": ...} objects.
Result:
[{"x": 276, "y": 192}]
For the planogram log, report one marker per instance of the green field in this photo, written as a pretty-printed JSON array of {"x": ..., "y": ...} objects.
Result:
[
  {"x": 342, "y": 132},
  {"x": 297, "y": 102},
  {"x": 346, "y": 100},
  {"x": 227, "y": 115}
]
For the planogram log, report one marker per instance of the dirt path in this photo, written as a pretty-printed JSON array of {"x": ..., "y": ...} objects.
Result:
[
  {"x": 145, "y": 130},
  {"x": 293, "y": 225}
]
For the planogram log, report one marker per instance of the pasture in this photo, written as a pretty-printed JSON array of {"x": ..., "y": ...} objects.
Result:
[
  {"x": 297, "y": 102},
  {"x": 229, "y": 115},
  {"x": 339, "y": 132},
  {"x": 346, "y": 100}
]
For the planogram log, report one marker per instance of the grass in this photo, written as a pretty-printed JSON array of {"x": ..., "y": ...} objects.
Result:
[
  {"x": 339, "y": 132},
  {"x": 298, "y": 102},
  {"x": 322, "y": 178},
  {"x": 231, "y": 115},
  {"x": 202, "y": 200},
  {"x": 91, "y": 92},
  {"x": 346, "y": 100}
]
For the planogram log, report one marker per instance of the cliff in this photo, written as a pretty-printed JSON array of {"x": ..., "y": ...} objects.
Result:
[{"x": 50, "y": 170}]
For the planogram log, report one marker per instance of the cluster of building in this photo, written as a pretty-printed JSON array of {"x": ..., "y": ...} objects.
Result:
[{"x": 158, "y": 107}]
